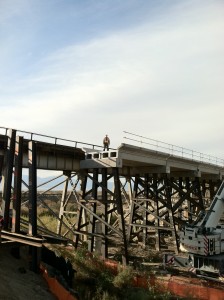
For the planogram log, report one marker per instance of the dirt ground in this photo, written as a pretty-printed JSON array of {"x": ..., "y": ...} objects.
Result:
[{"x": 17, "y": 282}]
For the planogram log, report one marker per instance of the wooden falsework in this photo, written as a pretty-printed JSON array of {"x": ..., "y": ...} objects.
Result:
[
  {"x": 155, "y": 205},
  {"x": 93, "y": 208},
  {"x": 161, "y": 205},
  {"x": 158, "y": 207}
]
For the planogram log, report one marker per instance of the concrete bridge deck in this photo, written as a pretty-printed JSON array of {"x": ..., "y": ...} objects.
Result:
[{"x": 137, "y": 160}]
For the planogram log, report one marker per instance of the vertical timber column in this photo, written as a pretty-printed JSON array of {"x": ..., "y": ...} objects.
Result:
[
  {"x": 32, "y": 162},
  {"x": 168, "y": 190},
  {"x": 92, "y": 219},
  {"x": 180, "y": 210},
  {"x": 203, "y": 191},
  {"x": 118, "y": 199},
  {"x": 188, "y": 201},
  {"x": 63, "y": 204},
  {"x": 17, "y": 185},
  {"x": 80, "y": 210},
  {"x": 156, "y": 205},
  {"x": 104, "y": 248},
  {"x": 199, "y": 194},
  {"x": 130, "y": 192},
  {"x": 131, "y": 208},
  {"x": 146, "y": 205},
  {"x": 7, "y": 176},
  {"x": 131, "y": 227}
]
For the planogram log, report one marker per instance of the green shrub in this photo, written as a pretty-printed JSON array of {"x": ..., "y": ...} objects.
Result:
[{"x": 124, "y": 277}]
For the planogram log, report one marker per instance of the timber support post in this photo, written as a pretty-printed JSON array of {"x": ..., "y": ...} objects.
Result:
[
  {"x": 7, "y": 175},
  {"x": 32, "y": 161},
  {"x": 17, "y": 185},
  {"x": 118, "y": 199}
]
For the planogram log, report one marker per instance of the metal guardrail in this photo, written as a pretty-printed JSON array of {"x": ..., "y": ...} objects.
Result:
[
  {"x": 49, "y": 139},
  {"x": 173, "y": 150}
]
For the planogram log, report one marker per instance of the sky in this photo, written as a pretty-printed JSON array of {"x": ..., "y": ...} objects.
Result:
[{"x": 80, "y": 69}]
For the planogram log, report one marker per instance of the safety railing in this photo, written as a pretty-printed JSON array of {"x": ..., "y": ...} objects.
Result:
[
  {"x": 31, "y": 136},
  {"x": 172, "y": 150}
]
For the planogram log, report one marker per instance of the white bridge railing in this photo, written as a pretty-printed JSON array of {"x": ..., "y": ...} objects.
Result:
[{"x": 172, "y": 150}]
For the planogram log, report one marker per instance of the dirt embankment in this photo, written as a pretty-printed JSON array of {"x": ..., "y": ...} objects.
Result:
[{"x": 17, "y": 282}]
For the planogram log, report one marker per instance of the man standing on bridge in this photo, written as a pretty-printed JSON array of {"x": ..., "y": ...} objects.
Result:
[{"x": 106, "y": 143}]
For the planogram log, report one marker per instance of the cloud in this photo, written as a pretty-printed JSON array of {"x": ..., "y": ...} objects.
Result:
[{"x": 161, "y": 79}]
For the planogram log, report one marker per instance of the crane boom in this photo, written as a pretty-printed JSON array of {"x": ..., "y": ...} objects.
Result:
[{"x": 216, "y": 209}]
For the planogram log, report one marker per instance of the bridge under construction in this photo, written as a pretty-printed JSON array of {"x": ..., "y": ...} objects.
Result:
[{"x": 108, "y": 199}]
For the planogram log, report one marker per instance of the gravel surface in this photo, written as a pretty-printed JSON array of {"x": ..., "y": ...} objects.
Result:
[{"x": 17, "y": 282}]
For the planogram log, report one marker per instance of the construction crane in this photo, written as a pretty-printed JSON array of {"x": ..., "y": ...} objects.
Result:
[{"x": 203, "y": 242}]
